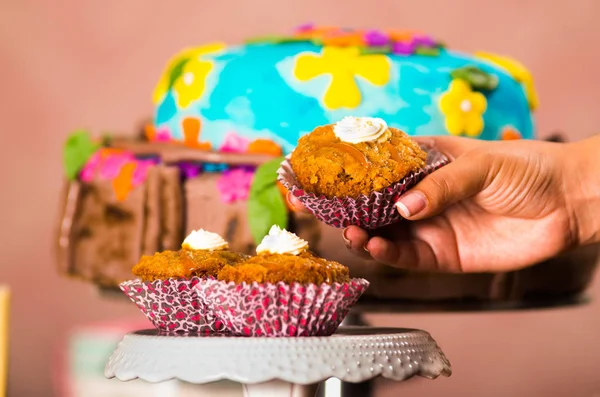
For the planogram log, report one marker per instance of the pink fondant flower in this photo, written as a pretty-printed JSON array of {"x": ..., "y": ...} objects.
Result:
[
  {"x": 89, "y": 169},
  {"x": 162, "y": 135},
  {"x": 234, "y": 184},
  {"x": 375, "y": 38},
  {"x": 111, "y": 165},
  {"x": 234, "y": 143},
  {"x": 141, "y": 171}
]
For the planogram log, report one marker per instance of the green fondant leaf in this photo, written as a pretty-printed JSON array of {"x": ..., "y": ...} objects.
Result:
[
  {"x": 266, "y": 207},
  {"x": 384, "y": 49},
  {"x": 477, "y": 78},
  {"x": 177, "y": 71},
  {"x": 278, "y": 40},
  {"x": 77, "y": 150},
  {"x": 427, "y": 51}
]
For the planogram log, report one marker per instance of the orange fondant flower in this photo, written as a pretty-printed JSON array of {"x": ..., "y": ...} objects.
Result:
[
  {"x": 265, "y": 146},
  {"x": 510, "y": 134},
  {"x": 123, "y": 183},
  {"x": 191, "y": 133}
]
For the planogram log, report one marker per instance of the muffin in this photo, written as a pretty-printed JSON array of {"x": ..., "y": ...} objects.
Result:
[
  {"x": 354, "y": 157},
  {"x": 285, "y": 290},
  {"x": 353, "y": 172},
  {"x": 203, "y": 254},
  {"x": 164, "y": 288}
]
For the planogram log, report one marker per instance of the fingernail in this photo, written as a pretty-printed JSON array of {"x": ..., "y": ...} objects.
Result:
[
  {"x": 366, "y": 249},
  {"x": 346, "y": 240},
  {"x": 289, "y": 197},
  {"x": 411, "y": 204}
]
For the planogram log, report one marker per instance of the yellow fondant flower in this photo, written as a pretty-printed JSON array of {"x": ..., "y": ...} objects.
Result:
[
  {"x": 518, "y": 71},
  {"x": 463, "y": 109},
  {"x": 186, "y": 72},
  {"x": 343, "y": 64}
]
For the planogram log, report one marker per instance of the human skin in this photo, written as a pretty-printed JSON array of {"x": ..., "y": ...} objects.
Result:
[{"x": 498, "y": 206}]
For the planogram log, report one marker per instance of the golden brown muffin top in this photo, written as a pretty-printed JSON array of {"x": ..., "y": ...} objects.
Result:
[
  {"x": 184, "y": 263},
  {"x": 305, "y": 268},
  {"x": 327, "y": 166}
]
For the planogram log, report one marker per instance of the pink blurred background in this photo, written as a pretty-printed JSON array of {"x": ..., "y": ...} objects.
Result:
[{"x": 93, "y": 64}]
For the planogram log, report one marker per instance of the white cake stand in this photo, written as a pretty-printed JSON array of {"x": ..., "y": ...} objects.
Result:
[{"x": 273, "y": 367}]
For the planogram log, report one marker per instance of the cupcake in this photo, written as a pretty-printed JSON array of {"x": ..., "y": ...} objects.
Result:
[
  {"x": 353, "y": 172},
  {"x": 203, "y": 254},
  {"x": 285, "y": 290},
  {"x": 164, "y": 291}
]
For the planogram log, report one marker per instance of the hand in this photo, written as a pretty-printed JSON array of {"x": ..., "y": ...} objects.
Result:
[{"x": 497, "y": 206}]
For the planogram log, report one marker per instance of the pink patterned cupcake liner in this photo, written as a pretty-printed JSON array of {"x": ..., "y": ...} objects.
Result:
[
  {"x": 369, "y": 212},
  {"x": 172, "y": 305},
  {"x": 280, "y": 310}
]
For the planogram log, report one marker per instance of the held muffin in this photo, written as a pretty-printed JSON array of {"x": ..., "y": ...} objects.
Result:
[
  {"x": 354, "y": 171},
  {"x": 284, "y": 290},
  {"x": 354, "y": 157},
  {"x": 164, "y": 291}
]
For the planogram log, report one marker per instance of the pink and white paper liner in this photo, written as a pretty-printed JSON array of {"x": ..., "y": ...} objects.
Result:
[
  {"x": 173, "y": 306},
  {"x": 280, "y": 310},
  {"x": 369, "y": 212}
]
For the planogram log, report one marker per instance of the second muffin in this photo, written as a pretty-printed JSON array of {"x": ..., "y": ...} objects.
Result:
[{"x": 284, "y": 291}]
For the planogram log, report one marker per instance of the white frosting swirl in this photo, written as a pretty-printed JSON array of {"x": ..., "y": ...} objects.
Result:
[
  {"x": 361, "y": 129},
  {"x": 280, "y": 241},
  {"x": 202, "y": 240}
]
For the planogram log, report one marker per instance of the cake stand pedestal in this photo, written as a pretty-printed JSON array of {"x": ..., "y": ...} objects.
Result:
[{"x": 277, "y": 367}]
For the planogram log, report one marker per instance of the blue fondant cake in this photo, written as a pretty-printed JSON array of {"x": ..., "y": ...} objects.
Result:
[{"x": 279, "y": 88}]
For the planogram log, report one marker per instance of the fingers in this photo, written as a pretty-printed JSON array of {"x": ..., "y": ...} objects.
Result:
[
  {"x": 411, "y": 254},
  {"x": 460, "y": 179},
  {"x": 453, "y": 147},
  {"x": 355, "y": 240},
  {"x": 295, "y": 203}
]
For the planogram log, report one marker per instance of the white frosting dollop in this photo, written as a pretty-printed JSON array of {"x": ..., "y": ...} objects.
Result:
[
  {"x": 280, "y": 241},
  {"x": 361, "y": 129},
  {"x": 204, "y": 241}
]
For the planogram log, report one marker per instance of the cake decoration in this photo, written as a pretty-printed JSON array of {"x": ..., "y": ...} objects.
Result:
[
  {"x": 234, "y": 184},
  {"x": 367, "y": 41},
  {"x": 191, "y": 131},
  {"x": 344, "y": 65},
  {"x": 280, "y": 241},
  {"x": 120, "y": 167},
  {"x": 463, "y": 109},
  {"x": 186, "y": 73},
  {"x": 265, "y": 146},
  {"x": 202, "y": 240},
  {"x": 266, "y": 204},
  {"x": 510, "y": 133},
  {"x": 518, "y": 71},
  {"x": 234, "y": 143},
  {"x": 476, "y": 78},
  {"x": 77, "y": 150}
]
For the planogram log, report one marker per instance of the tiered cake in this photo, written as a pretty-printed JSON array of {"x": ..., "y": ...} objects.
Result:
[{"x": 225, "y": 116}]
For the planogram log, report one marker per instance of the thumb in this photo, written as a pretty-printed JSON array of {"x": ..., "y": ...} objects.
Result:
[{"x": 462, "y": 178}]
